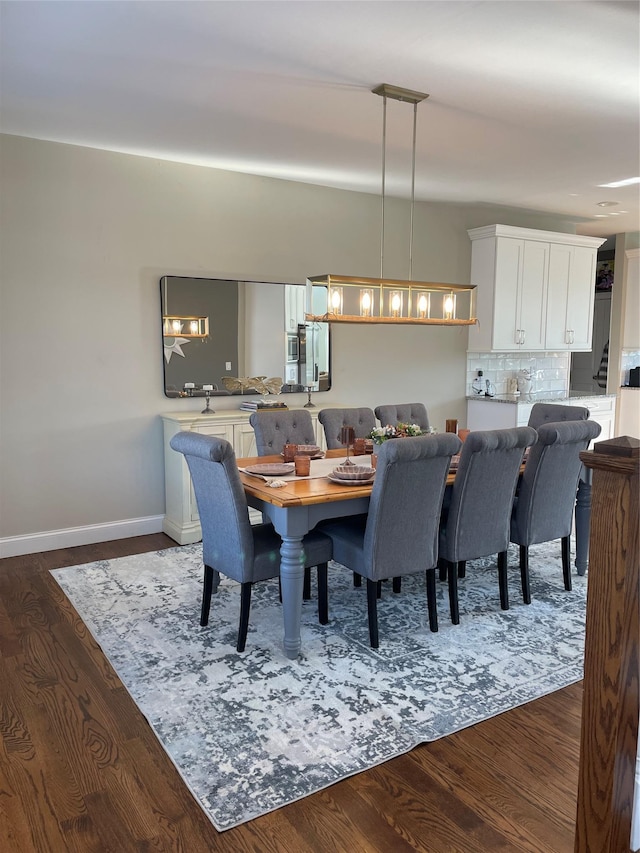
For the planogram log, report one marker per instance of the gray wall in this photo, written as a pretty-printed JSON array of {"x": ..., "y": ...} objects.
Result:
[{"x": 86, "y": 236}]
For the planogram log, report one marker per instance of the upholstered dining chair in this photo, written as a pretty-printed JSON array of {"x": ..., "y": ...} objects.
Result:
[
  {"x": 399, "y": 535},
  {"x": 361, "y": 419},
  {"x": 406, "y": 413},
  {"x": 231, "y": 545},
  {"x": 476, "y": 522},
  {"x": 275, "y": 429},
  {"x": 543, "y": 509},
  {"x": 544, "y": 413}
]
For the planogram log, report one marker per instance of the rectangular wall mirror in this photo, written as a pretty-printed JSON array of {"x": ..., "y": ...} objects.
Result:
[{"x": 214, "y": 329}]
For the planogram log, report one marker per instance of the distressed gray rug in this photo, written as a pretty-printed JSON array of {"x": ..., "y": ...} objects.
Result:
[{"x": 252, "y": 732}]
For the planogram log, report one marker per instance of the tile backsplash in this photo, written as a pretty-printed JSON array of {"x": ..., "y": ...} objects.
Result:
[{"x": 549, "y": 370}]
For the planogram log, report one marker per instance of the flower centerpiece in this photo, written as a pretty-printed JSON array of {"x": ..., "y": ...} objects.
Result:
[{"x": 400, "y": 430}]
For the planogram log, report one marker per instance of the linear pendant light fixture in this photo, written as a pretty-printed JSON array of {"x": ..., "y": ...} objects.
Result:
[{"x": 356, "y": 299}]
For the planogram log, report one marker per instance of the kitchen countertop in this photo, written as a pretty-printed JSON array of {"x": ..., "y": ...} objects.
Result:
[{"x": 538, "y": 397}]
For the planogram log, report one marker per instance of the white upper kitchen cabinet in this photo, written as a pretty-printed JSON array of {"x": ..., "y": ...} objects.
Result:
[
  {"x": 535, "y": 289},
  {"x": 570, "y": 297}
]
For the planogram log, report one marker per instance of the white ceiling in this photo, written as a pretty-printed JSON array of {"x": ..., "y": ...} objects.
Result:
[{"x": 532, "y": 104}]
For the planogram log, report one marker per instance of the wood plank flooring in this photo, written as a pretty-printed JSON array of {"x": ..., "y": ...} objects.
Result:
[{"x": 81, "y": 770}]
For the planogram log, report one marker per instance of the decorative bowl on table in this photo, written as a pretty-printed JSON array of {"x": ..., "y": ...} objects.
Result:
[
  {"x": 358, "y": 473},
  {"x": 308, "y": 449}
]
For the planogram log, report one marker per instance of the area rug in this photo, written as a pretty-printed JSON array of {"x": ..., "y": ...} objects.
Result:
[{"x": 252, "y": 732}]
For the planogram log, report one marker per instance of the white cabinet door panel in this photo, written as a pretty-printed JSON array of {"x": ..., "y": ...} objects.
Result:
[{"x": 533, "y": 296}]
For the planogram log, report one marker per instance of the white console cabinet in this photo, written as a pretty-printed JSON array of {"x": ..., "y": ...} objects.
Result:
[
  {"x": 181, "y": 521},
  {"x": 535, "y": 289}
]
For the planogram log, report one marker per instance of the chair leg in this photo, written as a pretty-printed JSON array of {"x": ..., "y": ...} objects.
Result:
[
  {"x": 357, "y": 579},
  {"x": 462, "y": 569},
  {"x": 323, "y": 594},
  {"x": 502, "y": 580},
  {"x": 452, "y": 572},
  {"x": 245, "y": 607},
  {"x": 524, "y": 574},
  {"x": 431, "y": 599},
  {"x": 379, "y": 589},
  {"x": 397, "y": 584},
  {"x": 566, "y": 564},
  {"x": 216, "y": 581},
  {"x": 442, "y": 566},
  {"x": 372, "y": 610},
  {"x": 209, "y": 578},
  {"x": 306, "y": 586}
]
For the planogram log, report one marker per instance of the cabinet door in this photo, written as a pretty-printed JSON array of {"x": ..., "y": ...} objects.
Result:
[
  {"x": 508, "y": 280},
  {"x": 533, "y": 295},
  {"x": 244, "y": 440},
  {"x": 570, "y": 298},
  {"x": 580, "y": 297}
]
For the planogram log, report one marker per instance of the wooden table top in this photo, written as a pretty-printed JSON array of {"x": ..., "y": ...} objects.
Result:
[{"x": 304, "y": 492}]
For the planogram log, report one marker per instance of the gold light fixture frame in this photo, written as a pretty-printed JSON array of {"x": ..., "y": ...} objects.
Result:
[
  {"x": 412, "y": 310},
  {"x": 414, "y": 300}
]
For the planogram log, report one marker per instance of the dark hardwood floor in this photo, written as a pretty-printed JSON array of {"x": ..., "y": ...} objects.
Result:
[{"x": 81, "y": 770}]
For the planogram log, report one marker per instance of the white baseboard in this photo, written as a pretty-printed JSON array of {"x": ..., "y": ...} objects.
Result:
[{"x": 51, "y": 540}]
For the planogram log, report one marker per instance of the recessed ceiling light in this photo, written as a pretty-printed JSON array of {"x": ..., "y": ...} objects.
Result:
[
  {"x": 625, "y": 183},
  {"x": 608, "y": 203},
  {"x": 600, "y": 215}
]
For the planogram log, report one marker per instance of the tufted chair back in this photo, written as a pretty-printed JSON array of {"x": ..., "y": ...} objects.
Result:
[
  {"x": 544, "y": 413},
  {"x": 406, "y": 413},
  {"x": 275, "y": 429},
  {"x": 362, "y": 420}
]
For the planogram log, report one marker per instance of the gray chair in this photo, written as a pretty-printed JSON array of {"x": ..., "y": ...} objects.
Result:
[
  {"x": 399, "y": 535},
  {"x": 476, "y": 523},
  {"x": 543, "y": 509},
  {"x": 231, "y": 545},
  {"x": 362, "y": 420},
  {"x": 406, "y": 413},
  {"x": 544, "y": 413},
  {"x": 275, "y": 429}
]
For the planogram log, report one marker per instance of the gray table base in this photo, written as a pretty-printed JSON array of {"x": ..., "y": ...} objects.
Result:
[
  {"x": 291, "y": 523},
  {"x": 583, "y": 521}
]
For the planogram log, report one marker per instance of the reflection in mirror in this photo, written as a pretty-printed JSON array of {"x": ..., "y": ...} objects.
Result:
[{"x": 217, "y": 329}]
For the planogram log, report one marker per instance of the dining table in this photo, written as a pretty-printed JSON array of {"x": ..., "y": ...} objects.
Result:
[{"x": 295, "y": 508}]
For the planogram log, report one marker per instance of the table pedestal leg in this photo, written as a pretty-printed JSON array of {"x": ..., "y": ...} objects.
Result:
[
  {"x": 583, "y": 523},
  {"x": 292, "y": 580}
]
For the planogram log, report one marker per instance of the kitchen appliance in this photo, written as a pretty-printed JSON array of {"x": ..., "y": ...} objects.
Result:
[{"x": 293, "y": 349}]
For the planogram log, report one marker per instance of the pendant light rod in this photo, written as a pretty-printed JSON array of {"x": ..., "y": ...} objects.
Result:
[
  {"x": 384, "y": 183},
  {"x": 397, "y": 93}
]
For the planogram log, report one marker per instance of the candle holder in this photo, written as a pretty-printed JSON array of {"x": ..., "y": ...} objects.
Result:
[
  {"x": 207, "y": 410},
  {"x": 309, "y": 404},
  {"x": 347, "y": 437}
]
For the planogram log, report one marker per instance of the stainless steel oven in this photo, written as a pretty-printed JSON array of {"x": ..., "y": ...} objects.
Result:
[{"x": 293, "y": 349}]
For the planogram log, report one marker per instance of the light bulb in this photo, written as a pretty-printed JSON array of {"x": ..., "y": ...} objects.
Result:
[
  {"x": 176, "y": 325},
  {"x": 366, "y": 303},
  {"x": 449, "y": 306},
  {"x": 424, "y": 304},
  {"x": 194, "y": 327}
]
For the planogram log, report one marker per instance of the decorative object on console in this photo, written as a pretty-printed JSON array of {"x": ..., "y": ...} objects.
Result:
[
  {"x": 260, "y": 384},
  {"x": 351, "y": 299},
  {"x": 207, "y": 393}
]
